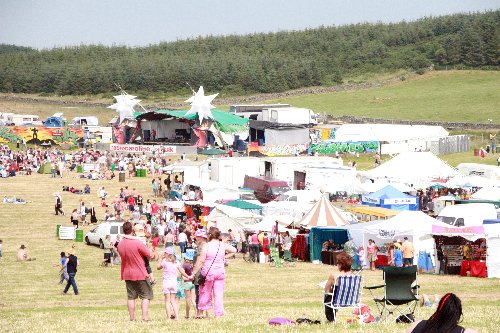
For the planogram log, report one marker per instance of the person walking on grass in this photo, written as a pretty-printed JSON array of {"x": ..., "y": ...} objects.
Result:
[
  {"x": 133, "y": 271},
  {"x": 64, "y": 269},
  {"x": 71, "y": 267}
]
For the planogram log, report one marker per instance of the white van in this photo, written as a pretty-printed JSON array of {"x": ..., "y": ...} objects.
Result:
[
  {"x": 97, "y": 235},
  {"x": 467, "y": 215}
]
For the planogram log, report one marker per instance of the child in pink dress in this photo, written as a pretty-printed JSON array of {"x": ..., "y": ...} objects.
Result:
[{"x": 170, "y": 268}]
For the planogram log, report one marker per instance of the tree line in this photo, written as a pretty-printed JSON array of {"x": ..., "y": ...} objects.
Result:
[{"x": 263, "y": 63}]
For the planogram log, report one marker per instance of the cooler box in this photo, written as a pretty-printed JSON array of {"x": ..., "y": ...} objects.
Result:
[
  {"x": 262, "y": 258},
  {"x": 79, "y": 235}
]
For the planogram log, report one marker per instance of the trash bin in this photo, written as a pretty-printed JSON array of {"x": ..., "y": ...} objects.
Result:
[
  {"x": 121, "y": 177},
  {"x": 57, "y": 229},
  {"x": 143, "y": 172},
  {"x": 476, "y": 152},
  {"x": 79, "y": 235},
  {"x": 79, "y": 168},
  {"x": 112, "y": 166}
]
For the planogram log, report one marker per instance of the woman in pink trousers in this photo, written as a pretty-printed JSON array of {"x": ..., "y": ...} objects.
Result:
[{"x": 211, "y": 264}]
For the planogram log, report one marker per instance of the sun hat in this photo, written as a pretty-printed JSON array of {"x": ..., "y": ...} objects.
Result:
[
  {"x": 396, "y": 244},
  {"x": 200, "y": 233},
  {"x": 189, "y": 255},
  {"x": 169, "y": 250},
  {"x": 22, "y": 247},
  {"x": 139, "y": 230}
]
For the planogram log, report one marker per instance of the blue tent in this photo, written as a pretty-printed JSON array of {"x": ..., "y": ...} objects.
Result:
[{"x": 391, "y": 198}]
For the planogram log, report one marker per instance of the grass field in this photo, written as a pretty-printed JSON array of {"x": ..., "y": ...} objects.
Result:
[
  {"x": 31, "y": 299},
  {"x": 466, "y": 96}
]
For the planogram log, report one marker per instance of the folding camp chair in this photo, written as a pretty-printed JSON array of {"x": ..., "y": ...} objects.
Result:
[
  {"x": 346, "y": 294},
  {"x": 400, "y": 293}
]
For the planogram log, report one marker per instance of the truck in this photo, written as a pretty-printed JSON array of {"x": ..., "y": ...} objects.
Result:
[{"x": 288, "y": 115}]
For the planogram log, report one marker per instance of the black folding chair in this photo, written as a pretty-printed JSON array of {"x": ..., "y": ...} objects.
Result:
[{"x": 400, "y": 293}]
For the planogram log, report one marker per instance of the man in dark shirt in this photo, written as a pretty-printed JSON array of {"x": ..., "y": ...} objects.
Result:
[{"x": 71, "y": 265}]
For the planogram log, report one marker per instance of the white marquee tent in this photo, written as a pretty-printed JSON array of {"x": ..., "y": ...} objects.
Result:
[
  {"x": 226, "y": 217},
  {"x": 413, "y": 167}
]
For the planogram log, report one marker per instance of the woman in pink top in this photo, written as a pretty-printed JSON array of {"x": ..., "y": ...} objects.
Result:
[
  {"x": 170, "y": 268},
  {"x": 211, "y": 264}
]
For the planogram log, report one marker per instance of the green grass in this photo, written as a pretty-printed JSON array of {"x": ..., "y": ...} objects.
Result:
[
  {"x": 465, "y": 96},
  {"x": 31, "y": 300}
]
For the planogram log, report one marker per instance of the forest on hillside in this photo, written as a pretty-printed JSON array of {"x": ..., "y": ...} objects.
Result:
[{"x": 271, "y": 62}]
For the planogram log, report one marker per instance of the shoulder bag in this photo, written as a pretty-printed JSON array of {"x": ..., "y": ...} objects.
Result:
[{"x": 203, "y": 278}]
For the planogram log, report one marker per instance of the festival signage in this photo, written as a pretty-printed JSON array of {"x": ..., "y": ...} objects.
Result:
[
  {"x": 45, "y": 136},
  {"x": 400, "y": 201},
  {"x": 458, "y": 230},
  {"x": 386, "y": 234},
  {"x": 277, "y": 150},
  {"x": 344, "y": 147},
  {"x": 67, "y": 232},
  {"x": 371, "y": 200},
  {"x": 148, "y": 149}
]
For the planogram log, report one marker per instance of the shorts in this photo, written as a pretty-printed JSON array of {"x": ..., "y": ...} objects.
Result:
[
  {"x": 372, "y": 257},
  {"x": 131, "y": 208},
  {"x": 408, "y": 261},
  {"x": 107, "y": 257},
  {"x": 169, "y": 286},
  {"x": 141, "y": 289},
  {"x": 188, "y": 285}
]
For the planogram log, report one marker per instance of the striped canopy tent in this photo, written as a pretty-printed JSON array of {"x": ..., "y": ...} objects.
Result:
[{"x": 323, "y": 214}]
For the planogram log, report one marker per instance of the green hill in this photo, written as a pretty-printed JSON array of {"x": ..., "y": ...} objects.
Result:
[
  {"x": 258, "y": 63},
  {"x": 462, "y": 96}
]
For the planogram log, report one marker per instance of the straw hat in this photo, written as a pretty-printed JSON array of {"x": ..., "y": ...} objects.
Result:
[
  {"x": 139, "y": 230},
  {"x": 396, "y": 244}
]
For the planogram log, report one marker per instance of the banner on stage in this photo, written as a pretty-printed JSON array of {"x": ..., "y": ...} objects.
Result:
[{"x": 143, "y": 148}]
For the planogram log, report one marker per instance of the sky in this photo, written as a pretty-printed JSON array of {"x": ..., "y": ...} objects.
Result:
[{"x": 46, "y": 24}]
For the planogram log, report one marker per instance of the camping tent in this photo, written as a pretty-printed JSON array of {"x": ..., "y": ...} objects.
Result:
[
  {"x": 413, "y": 167},
  {"x": 227, "y": 217},
  {"x": 323, "y": 214},
  {"x": 44, "y": 168},
  {"x": 389, "y": 197}
]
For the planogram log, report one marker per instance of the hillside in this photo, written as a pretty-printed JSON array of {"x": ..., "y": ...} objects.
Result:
[
  {"x": 258, "y": 63},
  {"x": 464, "y": 96}
]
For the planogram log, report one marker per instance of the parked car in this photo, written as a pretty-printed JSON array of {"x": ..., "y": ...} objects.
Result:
[
  {"x": 266, "y": 189},
  {"x": 97, "y": 235}
]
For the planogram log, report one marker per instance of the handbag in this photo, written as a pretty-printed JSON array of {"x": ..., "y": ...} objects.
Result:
[{"x": 203, "y": 278}]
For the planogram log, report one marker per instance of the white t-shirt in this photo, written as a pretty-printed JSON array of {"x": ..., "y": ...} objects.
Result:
[
  {"x": 191, "y": 195},
  {"x": 182, "y": 237}
]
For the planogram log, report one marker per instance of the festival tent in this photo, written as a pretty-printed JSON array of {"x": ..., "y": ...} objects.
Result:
[
  {"x": 413, "y": 167},
  {"x": 242, "y": 204},
  {"x": 269, "y": 222},
  {"x": 213, "y": 191},
  {"x": 323, "y": 214},
  {"x": 378, "y": 185},
  {"x": 318, "y": 235},
  {"x": 492, "y": 231},
  {"x": 389, "y": 197},
  {"x": 468, "y": 181},
  {"x": 487, "y": 193},
  {"x": 227, "y": 217},
  {"x": 415, "y": 225}
]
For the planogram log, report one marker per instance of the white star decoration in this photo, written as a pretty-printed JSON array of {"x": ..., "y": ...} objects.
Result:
[
  {"x": 201, "y": 105},
  {"x": 125, "y": 105}
]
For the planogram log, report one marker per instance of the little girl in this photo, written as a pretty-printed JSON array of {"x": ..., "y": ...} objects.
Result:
[
  {"x": 361, "y": 256},
  {"x": 170, "y": 268},
  {"x": 188, "y": 284}
]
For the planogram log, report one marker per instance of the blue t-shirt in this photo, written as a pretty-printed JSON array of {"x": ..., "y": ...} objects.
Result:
[
  {"x": 63, "y": 261},
  {"x": 398, "y": 257}
]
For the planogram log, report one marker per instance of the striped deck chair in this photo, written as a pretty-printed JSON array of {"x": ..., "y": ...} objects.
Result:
[{"x": 346, "y": 294}]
